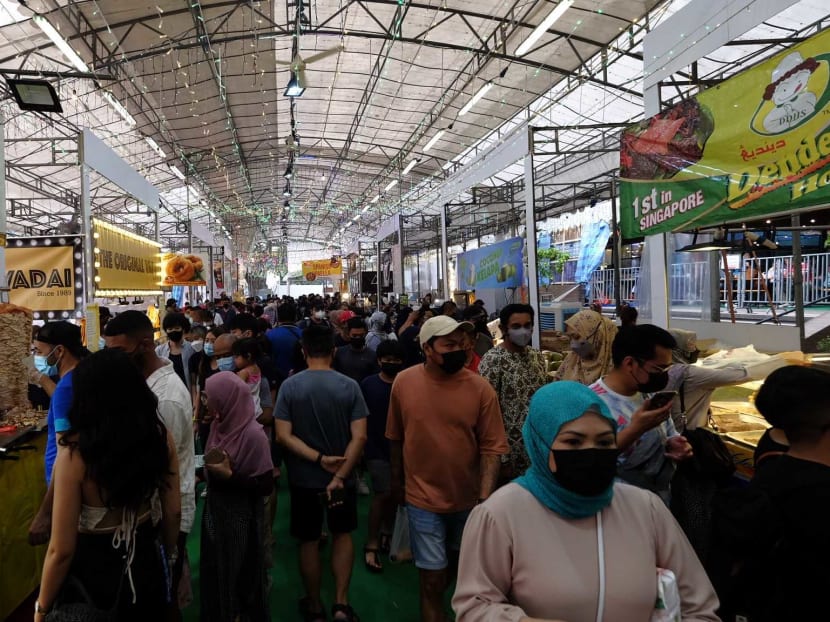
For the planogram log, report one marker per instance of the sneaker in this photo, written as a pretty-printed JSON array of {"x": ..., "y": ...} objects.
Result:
[{"x": 363, "y": 487}]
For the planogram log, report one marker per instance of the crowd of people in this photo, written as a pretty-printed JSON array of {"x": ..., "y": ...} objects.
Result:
[{"x": 582, "y": 496}]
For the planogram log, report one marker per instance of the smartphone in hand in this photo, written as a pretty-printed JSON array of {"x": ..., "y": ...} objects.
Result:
[{"x": 658, "y": 400}]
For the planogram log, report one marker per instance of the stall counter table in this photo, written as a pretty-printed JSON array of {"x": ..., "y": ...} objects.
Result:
[{"x": 23, "y": 485}]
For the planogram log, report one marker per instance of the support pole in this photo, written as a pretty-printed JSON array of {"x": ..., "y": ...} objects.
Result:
[
  {"x": 379, "y": 276},
  {"x": 4, "y": 286},
  {"x": 798, "y": 279},
  {"x": 616, "y": 248},
  {"x": 86, "y": 228},
  {"x": 444, "y": 280},
  {"x": 530, "y": 241},
  {"x": 727, "y": 282}
]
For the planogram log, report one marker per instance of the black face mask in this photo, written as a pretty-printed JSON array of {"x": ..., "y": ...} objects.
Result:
[
  {"x": 175, "y": 337},
  {"x": 453, "y": 361},
  {"x": 587, "y": 472},
  {"x": 657, "y": 381},
  {"x": 357, "y": 342},
  {"x": 391, "y": 369}
]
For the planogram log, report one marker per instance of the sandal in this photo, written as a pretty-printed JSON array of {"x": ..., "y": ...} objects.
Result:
[
  {"x": 377, "y": 566},
  {"x": 347, "y": 610},
  {"x": 308, "y": 615}
]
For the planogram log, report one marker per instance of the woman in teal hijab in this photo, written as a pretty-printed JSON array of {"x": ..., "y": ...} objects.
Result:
[
  {"x": 564, "y": 542},
  {"x": 579, "y": 480}
]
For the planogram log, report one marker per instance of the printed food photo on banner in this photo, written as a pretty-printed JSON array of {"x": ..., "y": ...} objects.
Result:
[
  {"x": 753, "y": 145},
  {"x": 183, "y": 269},
  {"x": 322, "y": 267}
]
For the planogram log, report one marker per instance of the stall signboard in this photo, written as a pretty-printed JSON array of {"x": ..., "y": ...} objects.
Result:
[
  {"x": 125, "y": 262},
  {"x": 322, "y": 267},
  {"x": 186, "y": 269},
  {"x": 44, "y": 274},
  {"x": 756, "y": 144},
  {"x": 495, "y": 266}
]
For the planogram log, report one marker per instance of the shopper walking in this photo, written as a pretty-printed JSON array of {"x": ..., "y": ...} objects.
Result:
[
  {"x": 58, "y": 349},
  {"x": 176, "y": 349},
  {"x": 116, "y": 477},
  {"x": 591, "y": 336},
  {"x": 238, "y": 465},
  {"x": 564, "y": 542},
  {"x": 516, "y": 371},
  {"x": 647, "y": 439},
  {"x": 131, "y": 332},
  {"x": 356, "y": 360},
  {"x": 285, "y": 339},
  {"x": 321, "y": 421},
  {"x": 377, "y": 330},
  {"x": 446, "y": 438},
  {"x": 377, "y": 391}
]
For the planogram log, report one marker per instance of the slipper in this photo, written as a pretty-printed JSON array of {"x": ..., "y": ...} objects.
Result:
[
  {"x": 349, "y": 613},
  {"x": 375, "y": 568},
  {"x": 308, "y": 615}
]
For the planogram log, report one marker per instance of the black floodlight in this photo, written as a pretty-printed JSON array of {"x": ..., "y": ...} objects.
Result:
[{"x": 35, "y": 95}]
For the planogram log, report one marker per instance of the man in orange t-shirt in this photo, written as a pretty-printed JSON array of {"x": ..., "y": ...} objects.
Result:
[{"x": 446, "y": 437}]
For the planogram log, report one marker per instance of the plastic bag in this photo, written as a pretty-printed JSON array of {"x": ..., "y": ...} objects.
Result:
[
  {"x": 399, "y": 550},
  {"x": 667, "y": 606}
]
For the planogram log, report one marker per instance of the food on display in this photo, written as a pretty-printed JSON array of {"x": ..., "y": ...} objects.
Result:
[
  {"x": 15, "y": 342},
  {"x": 663, "y": 145}
]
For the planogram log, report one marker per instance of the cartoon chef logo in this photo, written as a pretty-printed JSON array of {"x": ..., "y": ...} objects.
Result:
[{"x": 793, "y": 96}]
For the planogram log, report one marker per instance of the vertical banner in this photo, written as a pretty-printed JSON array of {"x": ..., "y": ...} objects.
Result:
[
  {"x": 397, "y": 269},
  {"x": 44, "y": 274},
  {"x": 218, "y": 262}
]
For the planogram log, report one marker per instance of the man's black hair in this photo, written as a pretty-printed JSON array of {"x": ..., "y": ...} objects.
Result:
[
  {"x": 640, "y": 342},
  {"x": 390, "y": 347},
  {"x": 175, "y": 320},
  {"x": 795, "y": 399},
  {"x": 508, "y": 310},
  {"x": 355, "y": 322},
  {"x": 318, "y": 341},
  {"x": 287, "y": 312},
  {"x": 244, "y": 322},
  {"x": 133, "y": 324},
  {"x": 248, "y": 347}
]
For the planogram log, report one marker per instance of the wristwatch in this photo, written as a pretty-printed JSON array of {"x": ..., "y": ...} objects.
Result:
[{"x": 40, "y": 610}]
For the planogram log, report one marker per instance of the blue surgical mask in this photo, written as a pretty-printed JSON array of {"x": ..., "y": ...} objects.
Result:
[
  {"x": 43, "y": 366},
  {"x": 208, "y": 349},
  {"x": 225, "y": 363}
]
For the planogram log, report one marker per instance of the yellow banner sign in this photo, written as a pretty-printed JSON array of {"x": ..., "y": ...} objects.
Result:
[
  {"x": 125, "y": 261},
  {"x": 41, "y": 277},
  {"x": 322, "y": 267}
]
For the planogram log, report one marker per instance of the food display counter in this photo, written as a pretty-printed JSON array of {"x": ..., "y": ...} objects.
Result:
[{"x": 741, "y": 427}]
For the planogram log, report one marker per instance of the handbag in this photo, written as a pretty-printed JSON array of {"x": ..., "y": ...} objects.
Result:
[
  {"x": 84, "y": 610},
  {"x": 399, "y": 547},
  {"x": 711, "y": 457},
  {"x": 667, "y": 605}
]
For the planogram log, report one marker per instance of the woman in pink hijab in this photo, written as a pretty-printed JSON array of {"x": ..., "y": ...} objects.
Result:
[{"x": 239, "y": 468}]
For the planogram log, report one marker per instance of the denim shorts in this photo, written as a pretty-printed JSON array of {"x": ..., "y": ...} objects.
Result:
[{"x": 431, "y": 535}]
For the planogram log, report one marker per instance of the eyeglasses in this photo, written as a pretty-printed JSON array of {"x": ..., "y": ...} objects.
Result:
[{"x": 658, "y": 368}]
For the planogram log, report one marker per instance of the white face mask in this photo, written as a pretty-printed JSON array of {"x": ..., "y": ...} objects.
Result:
[
  {"x": 197, "y": 345},
  {"x": 520, "y": 336},
  {"x": 320, "y": 315}
]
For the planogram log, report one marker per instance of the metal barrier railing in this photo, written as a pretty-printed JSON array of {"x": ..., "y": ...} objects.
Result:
[{"x": 688, "y": 282}]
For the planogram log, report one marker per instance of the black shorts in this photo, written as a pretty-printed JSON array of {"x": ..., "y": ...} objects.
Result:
[{"x": 307, "y": 511}]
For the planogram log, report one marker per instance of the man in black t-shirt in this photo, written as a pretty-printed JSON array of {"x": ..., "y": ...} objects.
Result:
[
  {"x": 377, "y": 389},
  {"x": 356, "y": 360}
]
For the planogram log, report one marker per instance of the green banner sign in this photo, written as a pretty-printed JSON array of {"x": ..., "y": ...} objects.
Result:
[{"x": 756, "y": 144}]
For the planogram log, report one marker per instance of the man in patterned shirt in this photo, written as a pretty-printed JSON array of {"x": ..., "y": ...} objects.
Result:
[{"x": 516, "y": 372}]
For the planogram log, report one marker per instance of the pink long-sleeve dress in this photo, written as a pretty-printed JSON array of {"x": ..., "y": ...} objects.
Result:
[{"x": 519, "y": 559}]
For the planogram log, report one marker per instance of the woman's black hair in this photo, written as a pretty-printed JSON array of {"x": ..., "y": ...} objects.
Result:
[
  {"x": 248, "y": 348},
  {"x": 114, "y": 424},
  {"x": 176, "y": 320}
]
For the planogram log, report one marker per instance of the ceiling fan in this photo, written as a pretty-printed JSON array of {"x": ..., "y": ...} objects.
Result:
[{"x": 298, "y": 64}]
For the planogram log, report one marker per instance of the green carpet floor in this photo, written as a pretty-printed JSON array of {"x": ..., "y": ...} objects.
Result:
[{"x": 392, "y": 595}]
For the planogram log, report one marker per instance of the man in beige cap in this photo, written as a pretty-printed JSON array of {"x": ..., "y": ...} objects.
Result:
[{"x": 446, "y": 438}]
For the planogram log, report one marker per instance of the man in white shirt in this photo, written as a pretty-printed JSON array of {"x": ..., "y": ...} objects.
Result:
[{"x": 132, "y": 333}]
